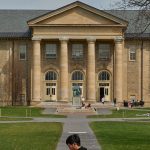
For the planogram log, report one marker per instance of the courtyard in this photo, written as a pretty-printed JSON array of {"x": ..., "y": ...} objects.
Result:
[{"x": 28, "y": 128}]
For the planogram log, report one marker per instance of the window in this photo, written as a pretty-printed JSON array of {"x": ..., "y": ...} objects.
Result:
[
  {"x": 77, "y": 75},
  {"x": 51, "y": 75},
  {"x": 50, "y": 51},
  {"x": 104, "y": 75},
  {"x": 77, "y": 84},
  {"x": 77, "y": 51},
  {"x": 22, "y": 52},
  {"x": 103, "y": 84},
  {"x": 132, "y": 54},
  {"x": 50, "y": 84},
  {"x": 104, "y": 51}
]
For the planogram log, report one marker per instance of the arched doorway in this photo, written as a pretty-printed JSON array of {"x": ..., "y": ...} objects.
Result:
[
  {"x": 50, "y": 86},
  {"x": 77, "y": 80},
  {"x": 104, "y": 85}
]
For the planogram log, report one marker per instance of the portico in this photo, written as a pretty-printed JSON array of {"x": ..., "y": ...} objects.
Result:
[
  {"x": 80, "y": 39},
  {"x": 64, "y": 84}
]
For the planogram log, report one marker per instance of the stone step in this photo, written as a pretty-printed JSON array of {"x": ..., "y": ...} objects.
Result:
[
  {"x": 72, "y": 110},
  {"x": 54, "y": 104}
]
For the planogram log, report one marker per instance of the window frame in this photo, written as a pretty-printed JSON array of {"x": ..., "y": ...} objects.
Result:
[
  {"x": 51, "y": 76},
  {"x": 24, "y": 53},
  {"x": 104, "y": 76},
  {"x": 132, "y": 54},
  {"x": 101, "y": 57},
  {"x": 50, "y": 54},
  {"x": 78, "y": 52},
  {"x": 77, "y": 76}
]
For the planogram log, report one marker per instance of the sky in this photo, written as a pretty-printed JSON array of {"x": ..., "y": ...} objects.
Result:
[{"x": 53, "y": 4}]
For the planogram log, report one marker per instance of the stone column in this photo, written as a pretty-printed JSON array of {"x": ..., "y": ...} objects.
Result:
[
  {"x": 91, "y": 84},
  {"x": 36, "y": 72},
  {"x": 64, "y": 77},
  {"x": 118, "y": 69}
]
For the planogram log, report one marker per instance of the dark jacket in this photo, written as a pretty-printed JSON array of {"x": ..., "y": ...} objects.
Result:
[{"x": 82, "y": 148}]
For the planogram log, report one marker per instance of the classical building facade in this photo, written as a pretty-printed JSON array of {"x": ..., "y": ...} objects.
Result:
[{"x": 44, "y": 54}]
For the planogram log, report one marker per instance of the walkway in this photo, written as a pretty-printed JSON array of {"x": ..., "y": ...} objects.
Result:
[{"x": 78, "y": 124}]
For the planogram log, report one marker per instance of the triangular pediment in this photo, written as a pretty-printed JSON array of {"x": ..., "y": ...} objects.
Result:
[
  {"x": 77, "y": 13},
  {"x": 77, "y": 16}
]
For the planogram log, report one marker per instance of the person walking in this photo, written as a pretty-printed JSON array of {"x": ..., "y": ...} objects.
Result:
[
  {"x": 74, "y": 143},
  {"x": 103, "y": 100},
  {"x": 115, "y": 102}
]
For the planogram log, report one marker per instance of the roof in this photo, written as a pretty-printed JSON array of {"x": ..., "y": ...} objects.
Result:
[
  {"x": 13, "y": 23},
  {"x": 136, "y": 19}
]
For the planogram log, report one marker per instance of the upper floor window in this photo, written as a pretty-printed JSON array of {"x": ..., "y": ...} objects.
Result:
[
  {"x": 50, "y": 51},
  {"x": 132, "y": 54},
  {"x": 22, "y": 52},
  {"x": 104, "y": 51},
  {"x": 77, "y": 50}
]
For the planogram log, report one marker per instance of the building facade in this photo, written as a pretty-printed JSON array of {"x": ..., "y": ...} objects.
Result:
[{"x": 44, "y": 54}]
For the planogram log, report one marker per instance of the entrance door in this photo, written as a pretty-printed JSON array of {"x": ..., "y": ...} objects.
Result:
[
  {"x": 104, "y": 91},
  {"x": 102, "y": 94},
  {"x": 80, "y": 85},
  {"x": 51, "y": 92}
]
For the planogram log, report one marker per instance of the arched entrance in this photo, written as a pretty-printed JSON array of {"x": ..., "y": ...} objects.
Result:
[
  {"x": 104, "y": 85},
  {"x": 77, "y": 80},
  {"x": 50, "y": 86}
]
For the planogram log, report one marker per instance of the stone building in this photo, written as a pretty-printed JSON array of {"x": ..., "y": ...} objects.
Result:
[{"x": 44, "y": 54}]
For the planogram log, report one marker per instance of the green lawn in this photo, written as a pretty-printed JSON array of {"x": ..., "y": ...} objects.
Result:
[
  {"x": 30, "y": 136},
  {"x": 14, "y": 119},
  {"x": 142, "y": 108},
  {"x": 123, "y": 113},
  {"x": 18, "y": 111},
  {"x": 122, "y": 135}
]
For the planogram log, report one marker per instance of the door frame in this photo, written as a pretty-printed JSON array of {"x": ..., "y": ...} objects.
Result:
[
  {"x": 105, "y": 85},
  {"x": 52, "y": 85}
]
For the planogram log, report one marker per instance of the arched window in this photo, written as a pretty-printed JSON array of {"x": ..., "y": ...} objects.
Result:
[
  {"x": 51, "y": 75},
  {"x": 104, "y": 75},
  {"x": 77, "y": 75}
]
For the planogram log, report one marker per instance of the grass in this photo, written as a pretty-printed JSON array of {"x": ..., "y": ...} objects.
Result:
[
  {"x": 19, "y": 111},
  {"x": 122, "y": 113},
  {"x": 142, "y": 108},
  {"x": 122, "y": 135},
  {"x": 14, "y": 119},
  {"x": 30, "y": 136}
]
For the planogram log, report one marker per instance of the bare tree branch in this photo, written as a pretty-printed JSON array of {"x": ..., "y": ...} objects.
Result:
[{"x": 142, "y": 21}]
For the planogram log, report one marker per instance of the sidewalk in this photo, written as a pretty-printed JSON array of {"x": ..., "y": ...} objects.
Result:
[{"x": 78, "y": 124}]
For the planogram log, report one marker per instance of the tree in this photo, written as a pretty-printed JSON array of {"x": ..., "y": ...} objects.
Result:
[
  {"x": 143, "y": 17},
  {"x": 140, "y": 4}
]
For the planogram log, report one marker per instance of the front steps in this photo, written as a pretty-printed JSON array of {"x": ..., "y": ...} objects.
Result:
[{"x": 68, "y": 108}]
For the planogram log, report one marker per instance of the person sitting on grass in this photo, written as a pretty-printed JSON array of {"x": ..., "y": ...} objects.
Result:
[{"x": 73, "y": 142}]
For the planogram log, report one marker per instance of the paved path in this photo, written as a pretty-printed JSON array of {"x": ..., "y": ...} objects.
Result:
[
  {"x": 78, "y": 124},
  {"x": 103, "y": 111}
]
